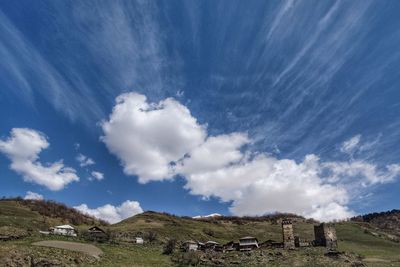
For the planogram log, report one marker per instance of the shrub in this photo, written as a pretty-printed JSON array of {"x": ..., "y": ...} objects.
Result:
[{"x": 169, "y": 247}]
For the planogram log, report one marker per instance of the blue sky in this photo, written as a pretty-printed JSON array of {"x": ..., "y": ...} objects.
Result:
[{"x": 233, "y": 107}]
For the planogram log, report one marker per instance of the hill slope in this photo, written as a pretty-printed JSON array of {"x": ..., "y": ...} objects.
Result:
[
  {"x": 354, "y": 237},
  {"x": 388, "y": 221},
  {"x": 40, "y": 214},
  {"x": 221, "y": 229}
]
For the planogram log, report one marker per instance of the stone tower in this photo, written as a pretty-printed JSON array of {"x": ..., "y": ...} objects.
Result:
[
  {"x": 325, "y": 235},
  {"x": 287, "y": 233}
]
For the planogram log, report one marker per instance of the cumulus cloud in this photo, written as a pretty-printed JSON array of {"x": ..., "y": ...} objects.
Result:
[
  {"x": 23, "y": 148},
  {"x": 157, "y": 141},
  {"x": 97, "y": 175},
  {"x": 84, "y": 161},
  {"x": 214, "y": 153},
  {"x": 265, "y": 184},
  {"x": 111, "y": 213},
  {"x": 33, "y": 196},
  {"x": 149, "y": 138}
]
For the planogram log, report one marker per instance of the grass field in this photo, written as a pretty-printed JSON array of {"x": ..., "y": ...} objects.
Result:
[{"x": 352, "y": 238}]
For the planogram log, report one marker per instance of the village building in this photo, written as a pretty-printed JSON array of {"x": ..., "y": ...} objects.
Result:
[
  {"x": 66, "y": 230},
  {"x": 231, "y": 246},
  {"x": 287, "y": 233},
  {"x": 325, "y": 235},
  {"x": 299, "y": 242},
  {"x": 96, "y": 232},
  {"x": 248, "y": 243},
  {"x": 201, "y": 246},
  {"x": 210, "y": 245},
  {"x": 139, "y": 240},
  {"x": 271, "y": 244},
  {"x": 190, "y": 245}
]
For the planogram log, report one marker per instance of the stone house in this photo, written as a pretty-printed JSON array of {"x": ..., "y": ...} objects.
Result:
[
  {"x": 325, "y": 235},
  {"x": 66, "y": 230},
  {"x": 190, "y": 245},
  {"x": 248, "y": 243},
  {"x": 96, "y": 232},
  {"x": 287, "y": 234}
]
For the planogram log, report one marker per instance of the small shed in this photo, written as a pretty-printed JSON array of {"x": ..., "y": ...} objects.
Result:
[
  {"x": 139, "y": 240},
  {"x": 211, "y": 245},
  {"x": 66, "y": 229},
  {"x": 201, "y": 246},
  {"x": 190, "y": 245},
  {"x": 231, "y": 246},
  {"x": 97, "y": 233},
  {"x": 271, "y": 244},
  {"x": 248, "y": 243}
]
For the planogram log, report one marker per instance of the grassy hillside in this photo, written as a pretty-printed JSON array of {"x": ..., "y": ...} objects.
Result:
[
  {"x": 354, "y": 237},
  {"x": 14, "y": 214},
  {"x": 220, "y": 229},
  {"x": 48, "y": 210}
]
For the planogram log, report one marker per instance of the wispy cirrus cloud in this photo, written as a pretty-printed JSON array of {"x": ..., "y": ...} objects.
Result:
[{"x": 27, "y": 69}]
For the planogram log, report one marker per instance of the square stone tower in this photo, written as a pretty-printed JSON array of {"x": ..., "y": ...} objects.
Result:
[
  {"x": 325, "y": 235},
  {"x": 287, "y": 233}
]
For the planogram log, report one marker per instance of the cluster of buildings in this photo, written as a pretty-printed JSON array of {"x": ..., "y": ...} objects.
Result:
[
  {"x": 324, "y": 235},
  {"x": 245, "y": 244},
  {"x": 93, "y": 233}
]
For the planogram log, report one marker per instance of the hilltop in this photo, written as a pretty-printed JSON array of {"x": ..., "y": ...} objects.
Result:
[
  {"x": 221, "y": 228},
  {"x": 40, "y": 214}
]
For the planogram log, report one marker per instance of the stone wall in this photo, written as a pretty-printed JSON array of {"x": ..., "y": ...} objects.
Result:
[
  {"x": 287, "y": 233},
  {"x": 325, "y": 235}
]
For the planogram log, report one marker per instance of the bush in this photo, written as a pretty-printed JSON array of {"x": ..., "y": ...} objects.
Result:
[
  {"x": 151, "y": 237},
  {"x": 169, "y": 247}
]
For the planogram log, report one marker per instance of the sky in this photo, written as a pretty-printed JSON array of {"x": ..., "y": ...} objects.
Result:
[{"x": 198, "y": 107}]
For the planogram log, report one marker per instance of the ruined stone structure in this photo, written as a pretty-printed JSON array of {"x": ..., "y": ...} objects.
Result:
[
  {"x": 287, "y": 233},
  {"x": 299, "y": 242},
  {"x": 325, "y": 235}
]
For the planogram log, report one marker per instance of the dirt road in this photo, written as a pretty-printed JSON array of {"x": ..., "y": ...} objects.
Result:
[{"x": 74, "y": 246}]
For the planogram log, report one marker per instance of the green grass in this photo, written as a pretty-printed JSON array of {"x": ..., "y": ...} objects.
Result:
[
  {"x": 222, "y": 231},
  {"x": 132, "y": 255},
  {"x": 16, "y": 215},
  {"x": 353, "y": 238}
]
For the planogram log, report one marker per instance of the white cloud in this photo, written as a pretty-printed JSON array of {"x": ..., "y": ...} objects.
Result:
[
  {"x": 23, "y": 148},
  {"x": 148, "y": 137},
  {"x": 349, "y": 146},
  {"x": 342, "y": 171},
  {"x": 112, "y": 214},
  {"x": 97, "y": 175},
  {"x": 84, "y": 161},
  {"x": 33, "y": 196},
  {"x": 214, "y": 153},
  {"x": 265, "y": 184}
]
